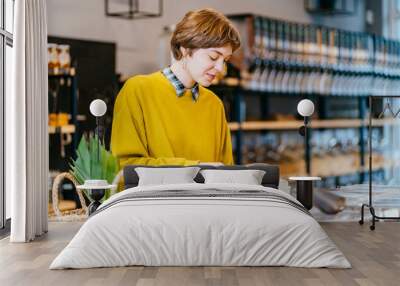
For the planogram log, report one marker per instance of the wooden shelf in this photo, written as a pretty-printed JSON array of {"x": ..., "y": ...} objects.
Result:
[
  {"x": 62, "y": 129},
  {"x": 341, "y": 165},
  {"x": 315, "y": 124},
  {"x": 379, "y": 166},
  {"x": 59, "y": 73}
]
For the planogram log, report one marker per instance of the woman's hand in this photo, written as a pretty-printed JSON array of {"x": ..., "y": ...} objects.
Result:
[{"x": 216, "y": 164}]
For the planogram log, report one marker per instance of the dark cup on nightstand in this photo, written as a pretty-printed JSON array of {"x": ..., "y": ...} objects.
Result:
[
  {"x": 304, "y": 194},
  {"x": 304, "y": 190}
]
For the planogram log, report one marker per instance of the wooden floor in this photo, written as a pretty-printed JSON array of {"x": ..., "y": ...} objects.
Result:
[{"x": 375, "y": 257}]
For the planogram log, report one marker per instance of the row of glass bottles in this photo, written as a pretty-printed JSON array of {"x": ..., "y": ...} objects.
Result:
[
  {"x": 289, "y": 57},
  {"x": 281, "y": 79},
  {"x": 316, "y": 46}
]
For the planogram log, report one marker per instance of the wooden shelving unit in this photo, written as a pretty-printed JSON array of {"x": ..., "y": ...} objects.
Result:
[
  {"x": 70, "y": 75},
  {"x": 63, "y": 83},
  {"x": 239, "y": 126},
  {"x": 285, "y": 71},
  {"x": 349, "y": 164}
]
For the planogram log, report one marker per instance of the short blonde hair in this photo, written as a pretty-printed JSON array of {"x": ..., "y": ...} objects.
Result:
[{"x": 204, "y": 28}]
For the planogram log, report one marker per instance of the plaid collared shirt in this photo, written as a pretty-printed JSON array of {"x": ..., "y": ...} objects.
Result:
[{"x": 178, "y": 85}]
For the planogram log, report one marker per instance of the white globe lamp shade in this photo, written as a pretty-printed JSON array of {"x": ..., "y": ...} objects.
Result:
[
  {"x": 98, "y": 107},
  {"x": 305, "y": 107}
]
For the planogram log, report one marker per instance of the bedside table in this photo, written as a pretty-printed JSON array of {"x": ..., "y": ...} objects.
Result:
[
  {"x": 304, "y": 190},
  {"x": 96, "y": 190}
]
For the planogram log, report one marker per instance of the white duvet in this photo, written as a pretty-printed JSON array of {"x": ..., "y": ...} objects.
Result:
[{"x": 200, "y": 231}]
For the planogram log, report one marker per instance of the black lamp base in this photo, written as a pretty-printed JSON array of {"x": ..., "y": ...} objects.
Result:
[
  {"x": 93, "y": 207},
  {"x": 96, "y": 195}
]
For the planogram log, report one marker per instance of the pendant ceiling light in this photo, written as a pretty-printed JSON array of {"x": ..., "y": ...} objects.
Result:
[{"x": 134, "y": 9}]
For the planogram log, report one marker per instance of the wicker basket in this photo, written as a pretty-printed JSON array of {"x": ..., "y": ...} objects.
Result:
[
  {"x": 80, "y": 213},
  {"x": 76, "y": 214}
]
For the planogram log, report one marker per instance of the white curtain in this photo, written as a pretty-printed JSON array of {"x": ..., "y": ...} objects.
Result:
[{"x": 26, "y": 124}]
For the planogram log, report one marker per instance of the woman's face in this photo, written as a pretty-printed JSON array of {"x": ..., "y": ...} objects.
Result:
[{"x": 205, "y": 64}]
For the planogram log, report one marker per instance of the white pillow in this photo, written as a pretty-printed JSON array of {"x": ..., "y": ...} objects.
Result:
[
  {"x": 248, "y": 177},
  {"x": 164, "y": 176}
]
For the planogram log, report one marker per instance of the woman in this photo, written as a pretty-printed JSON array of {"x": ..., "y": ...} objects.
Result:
[{"x": 169, "y": 117}]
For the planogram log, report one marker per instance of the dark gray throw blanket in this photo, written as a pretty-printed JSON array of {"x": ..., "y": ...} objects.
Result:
[{"x": 206, "y": 194}]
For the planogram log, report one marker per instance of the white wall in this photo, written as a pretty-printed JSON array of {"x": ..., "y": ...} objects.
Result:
[{"x": 138, "y": 40}]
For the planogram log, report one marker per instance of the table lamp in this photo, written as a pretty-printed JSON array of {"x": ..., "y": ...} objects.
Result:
[
  {"x": 97, "y": 188},
  {"x": 305, "y": 108},
  {"x": 98, "y": 108}
]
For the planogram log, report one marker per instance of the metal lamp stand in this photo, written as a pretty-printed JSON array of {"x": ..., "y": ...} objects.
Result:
[
  {"x": 370, "y": 205},
  {"x": 304, "y": 131}
]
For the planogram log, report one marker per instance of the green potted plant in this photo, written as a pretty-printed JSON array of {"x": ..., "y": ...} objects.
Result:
[{"x": 93, "y": 162}]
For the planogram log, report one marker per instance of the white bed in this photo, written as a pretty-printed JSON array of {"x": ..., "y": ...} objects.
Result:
[{"x": 207, "y": 230}]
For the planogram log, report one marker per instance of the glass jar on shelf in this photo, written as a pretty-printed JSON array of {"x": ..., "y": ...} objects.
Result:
[
  {"x": 64, "y": 58},
  {"x": 52, "y": 58}
]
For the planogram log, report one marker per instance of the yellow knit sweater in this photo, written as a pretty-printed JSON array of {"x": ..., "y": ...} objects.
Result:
[{"x": 153, "y": 126}]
